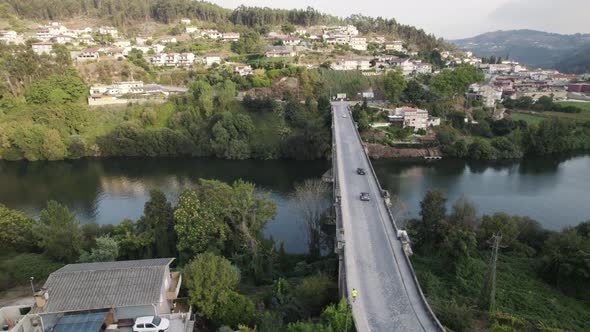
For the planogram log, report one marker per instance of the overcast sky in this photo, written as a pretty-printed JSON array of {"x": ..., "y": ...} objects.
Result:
[{"x": 454, "y": 18}]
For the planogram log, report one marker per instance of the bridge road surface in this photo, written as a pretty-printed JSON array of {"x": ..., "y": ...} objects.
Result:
[{"x": 388, "y": 298}]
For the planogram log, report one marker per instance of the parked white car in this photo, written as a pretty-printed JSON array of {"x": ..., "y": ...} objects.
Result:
[{"x": 151, "y": 324}]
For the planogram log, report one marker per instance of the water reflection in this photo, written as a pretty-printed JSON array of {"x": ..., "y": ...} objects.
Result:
[
  {"x": 108, "y": 191},
  {"x": 552, "y": 190}
]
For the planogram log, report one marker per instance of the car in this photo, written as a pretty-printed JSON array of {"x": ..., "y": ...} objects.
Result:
[
  {"x": 365, "y": 197},
  {"x": 360, "y": 171},
  {"x": 344, "y": 115},
  {"x": 151, "y": 324}
]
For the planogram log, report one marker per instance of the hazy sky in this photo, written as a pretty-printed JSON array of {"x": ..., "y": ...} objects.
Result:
[{"x": 454, "y": 18}]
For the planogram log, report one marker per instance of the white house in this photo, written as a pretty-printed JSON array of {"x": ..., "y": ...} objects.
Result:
[
  {"x": 191, "y": 29},
  {"x": 8, "y": 36},
  {"x": 352, "y": 64},
  {"x": 358, "y": 43},
  {"x": 42, "y": 48},
  {"x": 212, "y": 34},
  {"x": 292, "y": 41},
  {"x": 423, "y": 68},
  {"x": 209, "y": 60},
  {"x": 413, "y": 117},
  {"x": 396, "y": 45},
  {"x": 406, "y": 65},
  {"x": 243, "y": 70},
  {"x": 109, "y": 31},
  {"x": 167, "y": 40},
  {"x": 88, "y": 54},
  {"x": 280, "y": 53},
  {"x": 185, "y": 21},
  {"x": 231, "y": 36}
]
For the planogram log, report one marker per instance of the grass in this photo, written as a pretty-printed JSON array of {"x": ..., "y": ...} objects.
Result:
[
  {"x": 582, "y": 116},
  {"x": 584, "y": 106},
  {"x": 528, "y": 118},
  {"x": 520, "y": 292}
]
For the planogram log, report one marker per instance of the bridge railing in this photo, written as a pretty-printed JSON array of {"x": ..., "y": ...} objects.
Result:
[
  {"x": 338, "y": 218},
  {"x": 392, "y": 220}
]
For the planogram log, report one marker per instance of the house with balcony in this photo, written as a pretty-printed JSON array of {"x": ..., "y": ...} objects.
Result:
[
  {"x": 412, "y": 117},
  {"x": 91, "y": 54},
  {"x": 109, "y": 31},
  {"x": 358, "y": 43}
]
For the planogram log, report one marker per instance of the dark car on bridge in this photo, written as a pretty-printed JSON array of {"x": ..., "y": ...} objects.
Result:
[
  {"x": 360, "y": 171},
  {"x": 365, "y": 197}
]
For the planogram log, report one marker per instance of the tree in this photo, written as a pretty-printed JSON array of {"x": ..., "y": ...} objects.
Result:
[
  {"x": 16, "y": 230},
  {"x": 393, "y": 84},
  {"x": 566, "y": 261},
  {"x": 499, "y": 224},
  {"x": 249, "y": 43},
  {"x": 210, "y": 280},
  {"x": 59, "y": 233},
  {"x": 131, "y": 246},
  {"x": 156, "y": 226},
  {"x": 463, "y": 214},
  {"x": 53, "y": 146},
  {"x": 236, "y": 311},
  {"x": 338, "y": 317},
  {"x": 106, "y": 250},
  {"x": 288, "y": 28},
  {"x": 310, "y": 197},
  {"x": 433, "y": 212},
  {"x": 197, "y": 228},
  {"x": 314, "y": 292}
]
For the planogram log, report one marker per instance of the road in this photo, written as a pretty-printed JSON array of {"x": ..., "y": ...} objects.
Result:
[{"x": 388, "y": 298}]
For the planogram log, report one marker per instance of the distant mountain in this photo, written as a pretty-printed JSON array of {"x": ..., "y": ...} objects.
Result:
[{"x": 568, "y": 53}]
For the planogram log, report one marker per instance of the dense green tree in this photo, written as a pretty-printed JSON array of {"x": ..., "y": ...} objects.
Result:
[
  {"x": 106, "y": 250},
  {"x": 481, "y": 149},
  {"x": 131, "y": 245},
  {"x": 210, "y": 281},
  {"x": 431, "y": 228},
  {"x": 53, "y": 146},
  {"x": 315, "y": 292},
  {"x": 393, "y": 84},
  {"x": 238, "y": 310},
  {"x": 338, "y": 317},
  {"x": 197, "y": 228},
  {"x": 249, "y": 43},
  {"x": 498, "y": 224},
  {"x": 156, "y": 226},
  {"x": 59, "y": 232},
  {"x": 16, "y": 230},
  {"x": 449, "y": 83}
]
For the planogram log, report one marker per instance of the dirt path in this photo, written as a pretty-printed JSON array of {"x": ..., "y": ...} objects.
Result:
[{"x": 16, "y": 296}]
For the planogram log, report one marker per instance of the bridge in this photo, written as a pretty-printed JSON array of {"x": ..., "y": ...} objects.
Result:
[{"x": 372, "y": 258}]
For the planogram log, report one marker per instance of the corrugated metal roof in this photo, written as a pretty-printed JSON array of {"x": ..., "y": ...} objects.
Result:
[
  {"x": 91, "y": 286},
  {"x": 91, "y": 322}
]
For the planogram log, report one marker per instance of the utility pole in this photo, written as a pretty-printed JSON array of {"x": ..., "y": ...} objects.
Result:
[{"x": 488, "y": 292}]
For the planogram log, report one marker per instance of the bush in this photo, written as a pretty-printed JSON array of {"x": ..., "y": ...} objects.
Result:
[
  {"x": 456, "y": 317},
  {"x": 17, "y": 269},
  {"x": 237, "y": 310},
  {"x": 315, "y": 292}
]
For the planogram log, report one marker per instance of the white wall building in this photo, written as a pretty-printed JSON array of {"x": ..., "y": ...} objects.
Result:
[
  {"x": 358, "y": 43},
  {"x": 42, "y": 48},
  {"x": 109, "y": 31}
]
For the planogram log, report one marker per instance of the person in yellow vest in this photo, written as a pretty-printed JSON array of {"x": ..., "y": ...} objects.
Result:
[{"x": 354, "y": 294}]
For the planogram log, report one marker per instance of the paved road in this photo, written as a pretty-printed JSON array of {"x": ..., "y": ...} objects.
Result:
[{"x": 388, "y": 298}]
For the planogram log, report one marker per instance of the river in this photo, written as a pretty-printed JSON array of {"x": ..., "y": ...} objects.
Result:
[{"x": 552, "y": 191}]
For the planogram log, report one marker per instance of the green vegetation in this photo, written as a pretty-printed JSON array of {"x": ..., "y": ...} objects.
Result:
[
  {"x": 231, "y": 270},
  {"x": 541, "y": 277},
  {"x": 528, "y": 118}
]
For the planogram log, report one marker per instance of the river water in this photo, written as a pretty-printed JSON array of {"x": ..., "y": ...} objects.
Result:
[{"x": 552, "y": 191}]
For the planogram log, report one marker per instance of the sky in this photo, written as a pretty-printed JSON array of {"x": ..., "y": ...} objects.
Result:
[{"x": 453, "y": 19}]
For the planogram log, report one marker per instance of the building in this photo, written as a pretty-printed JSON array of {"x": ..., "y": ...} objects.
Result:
[
  {"x": 413, "y": 117},
  {"x": 358, "y": 43},
  {"x": 109, "y": 31},
  {"x": 231, "y": 36},
  {"x": 486, "y": 94},
  {"x": 406, "y": 65},
  {"x": 212, "y": 34},
  {"x": 243, "y": 70},
  {"x": 42, "y": 48},
  {"x": 84, "y": 297},
  {"x": 292, "y": 41},
  {"x": 131, "y": 91},
  {"x": 396, "y": 45},
  {"x": 88, "y": 54},
  {"x": 8, "y": 36},
  {"x": 578, "y": 87},
  {"x": 280, "y": 53},
  {"x": 352, "y": 64},
  {"x": 423, "y": 68},
  {"x": 167, "y": 40},
  {"x": 191, "y": 29},
  {"x": 86, "y": 39},
  {"x": 186, "y": 21},
  {"x": 209, "y": 60}
]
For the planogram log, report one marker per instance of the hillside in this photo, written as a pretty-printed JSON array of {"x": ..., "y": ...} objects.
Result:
[
  {"x": 534, "y": 48},
  {"x": 127, "y": 15}
]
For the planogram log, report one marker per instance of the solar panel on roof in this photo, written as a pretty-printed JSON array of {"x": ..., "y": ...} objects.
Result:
[{"x": 89, "y": 322}]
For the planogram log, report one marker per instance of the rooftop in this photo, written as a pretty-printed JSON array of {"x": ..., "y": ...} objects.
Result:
[{"x": 91, "y": 286}]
